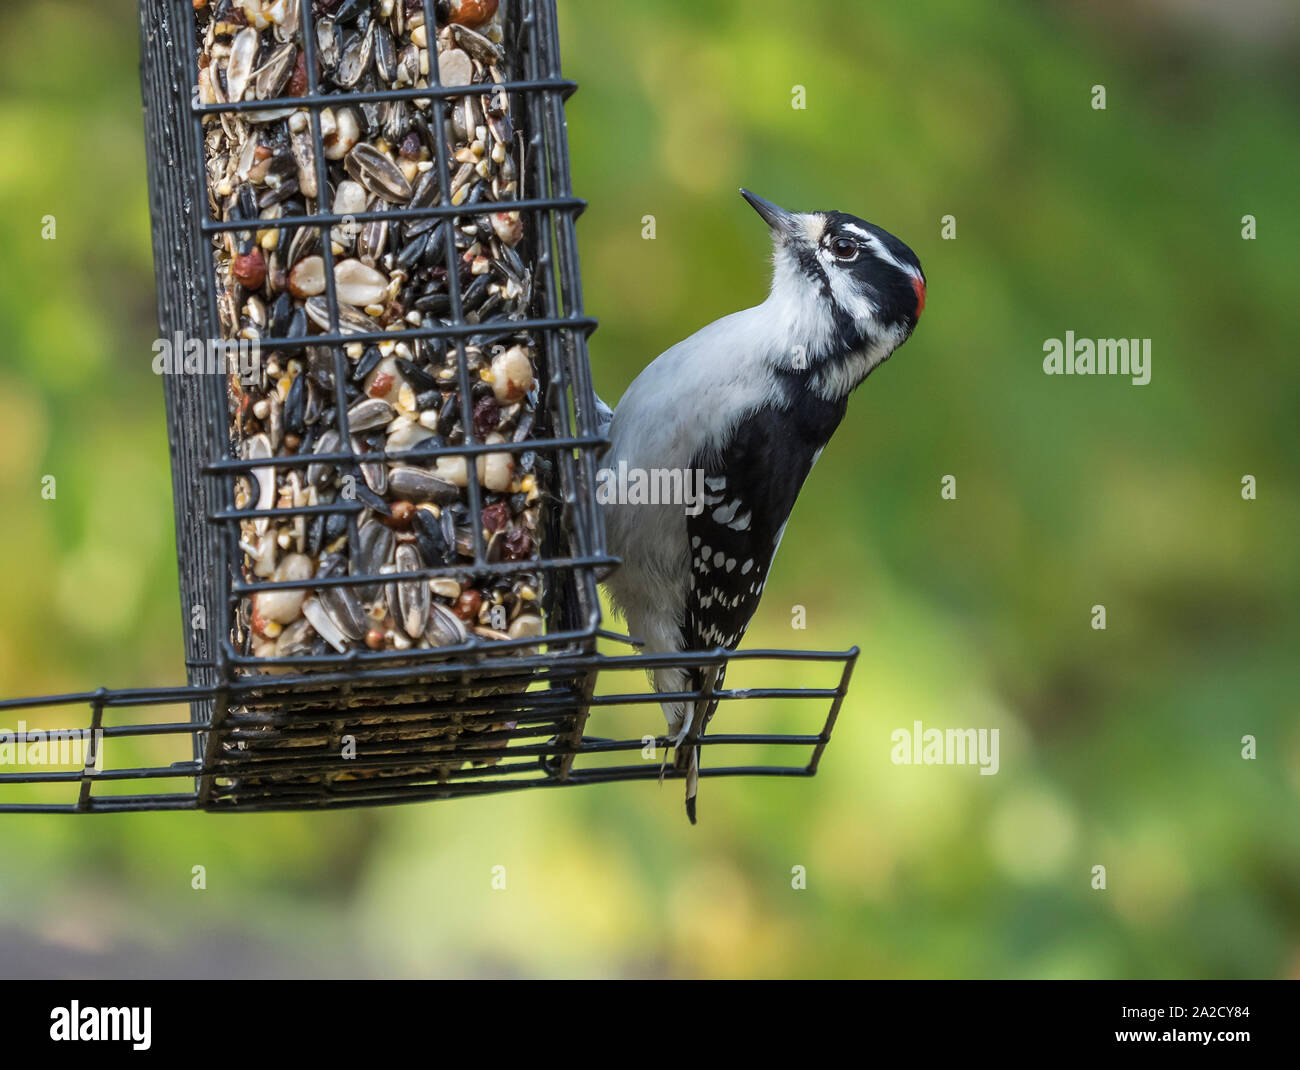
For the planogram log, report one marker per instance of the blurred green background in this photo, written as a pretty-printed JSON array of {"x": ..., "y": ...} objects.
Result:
[{"x": 1119, "y": 748}]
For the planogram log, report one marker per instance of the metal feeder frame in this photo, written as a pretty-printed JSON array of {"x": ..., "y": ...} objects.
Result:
[{"x": 485, "y": 716}]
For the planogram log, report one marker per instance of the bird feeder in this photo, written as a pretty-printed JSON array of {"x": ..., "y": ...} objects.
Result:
[{"x": 384, "y": 436}]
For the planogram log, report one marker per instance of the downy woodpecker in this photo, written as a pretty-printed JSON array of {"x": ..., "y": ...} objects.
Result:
[{"x": 750, "y": 401}]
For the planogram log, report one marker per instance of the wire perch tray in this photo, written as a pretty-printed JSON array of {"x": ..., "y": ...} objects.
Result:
[
  {"x": 375, "y": 727},
  {"x": 287, "y": 756}
]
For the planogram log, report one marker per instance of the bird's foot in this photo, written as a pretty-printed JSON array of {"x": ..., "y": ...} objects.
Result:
[{"x": 674, "y": 741}]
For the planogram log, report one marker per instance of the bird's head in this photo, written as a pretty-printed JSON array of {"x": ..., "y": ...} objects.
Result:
[{"x": 850, "y": 292}]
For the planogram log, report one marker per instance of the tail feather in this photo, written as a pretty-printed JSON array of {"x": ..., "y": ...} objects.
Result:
[
  {"x": 692, "y": 783},
  {"x": 701, "y": 713}
]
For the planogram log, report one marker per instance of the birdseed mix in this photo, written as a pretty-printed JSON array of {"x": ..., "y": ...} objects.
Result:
[{"x": 400, "y": 396}]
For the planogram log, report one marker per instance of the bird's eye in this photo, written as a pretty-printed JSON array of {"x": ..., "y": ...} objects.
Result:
[{"x": 844, "y": 248}]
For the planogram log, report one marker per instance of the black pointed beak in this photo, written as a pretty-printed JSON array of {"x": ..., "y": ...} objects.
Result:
[{"x": 773, "y": 215}]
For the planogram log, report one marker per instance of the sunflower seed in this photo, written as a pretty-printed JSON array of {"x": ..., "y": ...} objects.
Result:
[
  {"x": 357, "y": 52},
  {"x": 243, "y": 54},
  {"x": 420, "y": 485},
  {"x": 345, "y": 610},
  {"x": 413, "y": 595},
  {"x": 477, "y": 45},
  {"x": 318, "y": 474},
  {"x": 324, "y": 625},
  {"x": 371, "y": 412},
  {"x": 444, "y": 628},
  {"x": 271, "y": 77},
  {"x": 375, "y": 545},
  {"x": 377, "y": 173}
]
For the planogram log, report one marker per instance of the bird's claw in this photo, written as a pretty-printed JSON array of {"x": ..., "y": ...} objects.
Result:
[{"x": 674, "y": 742}]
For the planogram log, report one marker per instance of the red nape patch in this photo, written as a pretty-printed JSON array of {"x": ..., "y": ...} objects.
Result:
[{"x": 919, "y": 287}]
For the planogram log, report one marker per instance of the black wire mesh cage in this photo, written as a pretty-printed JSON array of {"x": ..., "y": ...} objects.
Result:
[{"x": 384, "y": 459}]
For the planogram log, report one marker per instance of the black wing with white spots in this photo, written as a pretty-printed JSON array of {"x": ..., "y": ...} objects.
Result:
[{"x": 749, "y": 491}]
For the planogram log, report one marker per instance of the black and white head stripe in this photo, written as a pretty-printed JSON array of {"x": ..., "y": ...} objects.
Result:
[
  {"x": 883, "y": 245},
  {"x": 861, "y": 269}
]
